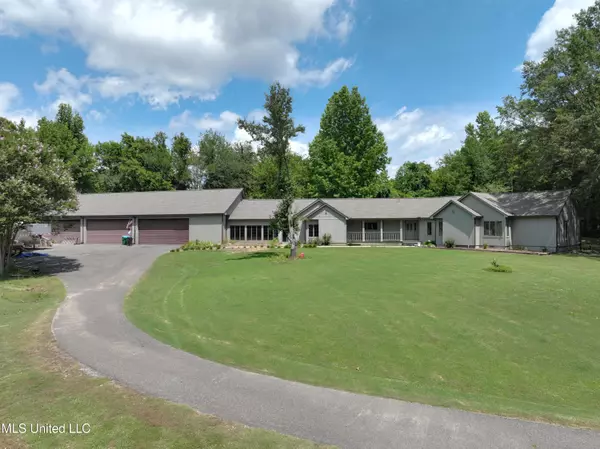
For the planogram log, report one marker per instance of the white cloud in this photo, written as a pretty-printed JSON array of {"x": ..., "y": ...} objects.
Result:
[
  {"x": 164, "y": 50},
  {"x": 559, "y": 16},
  {"x": 10, "y": 97},
  {"x": 425, "y": 134},
  {"x": 96, "y": 115},
  {"x": 67, "y": 88}
]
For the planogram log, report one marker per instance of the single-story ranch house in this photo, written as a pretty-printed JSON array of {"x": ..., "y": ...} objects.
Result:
[{"x": 533, "y": 220}]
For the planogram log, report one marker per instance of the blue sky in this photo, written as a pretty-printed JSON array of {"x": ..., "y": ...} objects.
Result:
[{"x": 426, "y": 67}]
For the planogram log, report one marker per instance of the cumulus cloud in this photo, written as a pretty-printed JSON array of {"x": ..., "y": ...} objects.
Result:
[
  {"x": 10, "y": 98},
  {"x": 424, "y": 134},
  {"x": 559, "y": 16},
  {"x": 165, "y": 50},
  {"x": 67, "y": 88}
]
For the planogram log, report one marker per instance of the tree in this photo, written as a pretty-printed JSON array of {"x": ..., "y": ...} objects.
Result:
[
  {"x": 274, "y": 135},
  {"x": 35, "y": 184},
  {"x": 555, "y": 137},
  {"x": 348, "y": 157},
  {"x": 136, "y": 164},
  {"x": 265, "y": 176},
  {"x": 223, "y": 165},
  {"x": 65, "y": 134},
  {"x": 181, "y": 151},
  {"x": 414, "y": 179}
]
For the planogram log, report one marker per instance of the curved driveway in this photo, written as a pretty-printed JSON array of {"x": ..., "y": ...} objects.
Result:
[{"x": 91, "y": 327}]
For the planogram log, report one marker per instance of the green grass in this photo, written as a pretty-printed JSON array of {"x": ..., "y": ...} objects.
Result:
[
  {"x": 39, "y": 385},
  {"x": 416, "y": 324}
]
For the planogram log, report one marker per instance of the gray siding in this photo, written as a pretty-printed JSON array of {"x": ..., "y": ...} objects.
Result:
[
  {"x": 458, "y": 225},
  {"x": 423, "y": 237},
  {"x": 391, "y": 226},
  {"x": 568, "y": 232},
  {"x": 354, "y": 225},
  {"x": 534, "y": 233},
  {"x": 331, "y": 223},
  {"x": 208, "y": 228},
  {"x": 489, "y": 214}
]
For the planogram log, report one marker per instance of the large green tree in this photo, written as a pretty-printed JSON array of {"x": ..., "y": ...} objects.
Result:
[
  {"x": 221, "y": 164},
  {"x": 181, "y": 151},
  {"x": 348, "y": 157},
  {"x": 35, "y": 184},
  {"x": 66, "y": 136},
  {"x": 273, "y": 135},
  {"x": 414, "y": 179},
  {"x": 555, "y": 137}
]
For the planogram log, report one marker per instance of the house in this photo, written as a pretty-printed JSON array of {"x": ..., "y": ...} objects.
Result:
[{"x": 533, "y": 220}]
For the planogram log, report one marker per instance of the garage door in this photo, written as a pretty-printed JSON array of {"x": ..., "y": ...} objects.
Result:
[
  {"x": 66, "y": 231},
  {"x": 174, "y": 231},
  {"x": 106, "y": 231}
]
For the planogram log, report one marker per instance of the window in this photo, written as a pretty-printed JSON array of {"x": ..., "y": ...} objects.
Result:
[
  {"x": 441, "y": 228},
  {"x": 254, "y": 232},
  {"x": 429, "y": 228},
  {"x": 268, "y": 233},
  {"x": 313, "y": 231},
  {"x": 411, "y": 226},
  {"x": 492, "y": 228},
  {"x": 237, "y": 233},
  {"x": 371, "y": 226}
]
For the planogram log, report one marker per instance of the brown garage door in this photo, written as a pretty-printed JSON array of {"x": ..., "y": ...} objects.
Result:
[
  {"x": 66, "y": 231},
  {"x": 106, "y": 231},
  {"x": 172, "y": 231}
]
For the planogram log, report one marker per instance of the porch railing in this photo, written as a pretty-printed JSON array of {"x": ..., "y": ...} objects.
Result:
[{"x": 373, "y": 237}]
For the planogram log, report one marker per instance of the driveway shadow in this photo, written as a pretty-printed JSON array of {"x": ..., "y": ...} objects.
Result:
[{"x": 46, "y": 265}]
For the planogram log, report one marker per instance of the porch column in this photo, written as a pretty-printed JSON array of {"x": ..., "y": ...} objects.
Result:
[
  {"x": 262, "y": 232},
  {"x": 401, "y": 230},
  {"x": 135, "y": 230},
  {"x": 81, "y": 230},
  {"x": 246, "y": 233},
  {"x": 363, "y": 230},
  {"x": 381, "y": 231},
  {"x": 84, "y": 231}
]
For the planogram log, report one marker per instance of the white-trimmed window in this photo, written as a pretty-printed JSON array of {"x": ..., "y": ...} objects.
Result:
[
  {"x": 268, "y": 233},
  {"x": 254, "y": 233},
  {"x": 371, "y": 226},
  {"x": 313, "y": 231},
  {"x": 429, "y": 228},
  {"x": 492, "y": 228},
  {"x": 237, "y": 233}
]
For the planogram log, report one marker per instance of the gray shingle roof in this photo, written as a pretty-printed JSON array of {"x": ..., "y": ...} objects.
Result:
[
  {"x": 354, "y": 208},
  {"x": 189, "y": 202},
  {"x": 529, "y": 204},
  {"x": 263, "y": 209}
]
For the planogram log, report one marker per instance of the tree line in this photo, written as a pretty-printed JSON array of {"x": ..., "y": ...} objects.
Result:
[{"x": 546, "y": 138}]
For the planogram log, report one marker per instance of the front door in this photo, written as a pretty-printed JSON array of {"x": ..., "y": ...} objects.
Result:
[{"x": 411, "y": 230}]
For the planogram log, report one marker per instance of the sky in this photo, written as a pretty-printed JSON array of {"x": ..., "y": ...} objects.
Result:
[{"x": 426, "y": 67}]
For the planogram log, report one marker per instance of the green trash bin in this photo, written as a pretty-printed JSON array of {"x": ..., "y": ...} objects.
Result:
[{"x": 126, "y": 240}]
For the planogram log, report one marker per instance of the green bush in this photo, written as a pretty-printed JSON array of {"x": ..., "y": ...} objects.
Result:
[
  {"x": 311, "y": 244},
  {"x": 497, "y": 268},
  {"x": 449, "y": 243},
  {"x": 485, "y": 246},
  {"x": 198, "y": 245},
  {"x": 326, "y": 240},
  {"x": 274, "y": 243},
  {"x": 429, "y": 244}
]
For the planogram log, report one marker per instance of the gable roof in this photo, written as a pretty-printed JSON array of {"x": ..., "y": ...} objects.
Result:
[
  {"x": 182, "y": 202},
  {"x": 489, "y": 199},
  {"x": 459, "y": 204},
  {"x": 319, "y": 205},
  {"x": 352, "y": 208},
  {"x": 528, "y": 204}
]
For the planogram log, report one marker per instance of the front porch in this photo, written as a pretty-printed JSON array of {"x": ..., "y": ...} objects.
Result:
[{"x": 383, "y": 231}]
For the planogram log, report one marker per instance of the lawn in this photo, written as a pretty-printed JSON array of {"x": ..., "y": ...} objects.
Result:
[
  {"x": 39, "y": 385},
  {"x": 410, "y": 323}
]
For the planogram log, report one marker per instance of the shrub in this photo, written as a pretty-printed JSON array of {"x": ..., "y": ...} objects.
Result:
[
  {"x": 497, "y": 268},
  {"x": 429, "y": 244},
  {"x": 485, "y": 246},
  {"x": 449, "y": 243},
  {"x": 274, "y": 243},
  {"x": 544, "y": 249},
  {"x": 311, "y": 244},
  {"x": 326, "y": 241},
  {"x": 198, "y": 245}
]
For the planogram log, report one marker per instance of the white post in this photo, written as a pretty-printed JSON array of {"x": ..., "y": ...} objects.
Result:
[
  {"x": 84, "y": 231},
  {"x": 381, "y": 231},
  {"x": 363, "y": 230},
  {"x": 401, "y": 230},
  {"x": 246, "y": 233}
]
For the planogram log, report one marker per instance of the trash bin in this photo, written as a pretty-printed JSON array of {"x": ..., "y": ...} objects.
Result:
[{"x": 126, "y": 240}]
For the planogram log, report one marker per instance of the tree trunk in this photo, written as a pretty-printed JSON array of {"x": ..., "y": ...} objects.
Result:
[{"x": 293, "y": 249}]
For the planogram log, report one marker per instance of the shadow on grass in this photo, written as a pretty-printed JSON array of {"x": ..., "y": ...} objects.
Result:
[
  {"x": 41, "y": 266},
  {"x": 256, "y": 255}
]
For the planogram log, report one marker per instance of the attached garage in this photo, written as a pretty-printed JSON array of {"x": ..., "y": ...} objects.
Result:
[
  {"x": 67, "y": 231},
  {"x": 106, "y": 231},
  {"x": 167, "y": 231}
]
